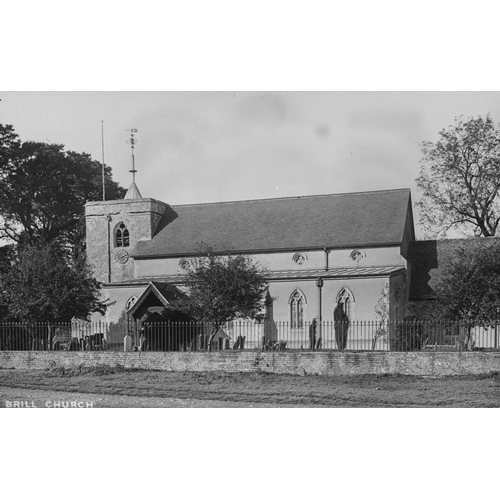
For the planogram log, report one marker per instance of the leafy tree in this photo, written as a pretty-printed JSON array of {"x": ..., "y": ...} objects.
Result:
[
  {"x": 460, "y": 179},
  {"x": 43, "y": 286},
  {"x": 223, "y": 287},
  {"x": 43, "y": 190},
  {"x": 468, "y": 289}
]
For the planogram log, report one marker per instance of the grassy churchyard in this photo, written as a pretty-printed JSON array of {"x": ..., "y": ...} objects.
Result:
[{"x": 247, "y": 389}]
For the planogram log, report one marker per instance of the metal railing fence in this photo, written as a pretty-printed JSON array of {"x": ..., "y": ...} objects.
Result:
[{"x": 251, "y": 335}]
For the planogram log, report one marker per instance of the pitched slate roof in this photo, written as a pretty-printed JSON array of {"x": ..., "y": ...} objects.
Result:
[
  {"x": 305, "y": 222},
  {"x": 427, "y": 259}
]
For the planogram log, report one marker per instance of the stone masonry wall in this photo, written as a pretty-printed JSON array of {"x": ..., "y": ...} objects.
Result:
[{"x": 321, "y": 363}]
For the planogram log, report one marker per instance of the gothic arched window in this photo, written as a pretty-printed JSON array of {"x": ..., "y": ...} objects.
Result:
[
  {"x": 345, "y": 300},
  {"x": 130, "y": 321},
  {"x": 342, "y": 316},
  {"x": 121, "y": 236},
  {"x": 297, "y": 301}
]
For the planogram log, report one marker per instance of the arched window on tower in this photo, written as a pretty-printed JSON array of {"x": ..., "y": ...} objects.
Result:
[
  {"x": 121, "y": 236},
  {"x": 297, "y": 301}
]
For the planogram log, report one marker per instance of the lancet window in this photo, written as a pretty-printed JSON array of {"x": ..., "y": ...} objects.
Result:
[
  {"x": 122, "y": 238},
  {"x": 297, "y": 309},
  {"x": 345, "y": 301}
]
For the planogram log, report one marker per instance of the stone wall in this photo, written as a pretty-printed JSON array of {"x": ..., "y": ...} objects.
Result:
[{"x": 322, "y": 363}]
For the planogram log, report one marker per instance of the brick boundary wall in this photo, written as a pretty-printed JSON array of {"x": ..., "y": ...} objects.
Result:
[{"x": 322, "y": 363}]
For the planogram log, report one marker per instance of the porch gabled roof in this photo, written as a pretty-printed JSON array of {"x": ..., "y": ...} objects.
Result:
[{"x": 164, "y": 292}]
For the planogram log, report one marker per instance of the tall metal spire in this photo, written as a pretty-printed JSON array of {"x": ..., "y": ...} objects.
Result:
[
  {"x": 133, "y": 190},
  {"x": 132, "y": 143},
  {"x": 103, "y": 175}
]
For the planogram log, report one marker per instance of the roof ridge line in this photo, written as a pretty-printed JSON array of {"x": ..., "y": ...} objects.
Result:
[{"x": 354, "y": 193}]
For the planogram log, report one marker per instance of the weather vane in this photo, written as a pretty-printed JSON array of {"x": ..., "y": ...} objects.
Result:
[{"x": 132, "y": 143}]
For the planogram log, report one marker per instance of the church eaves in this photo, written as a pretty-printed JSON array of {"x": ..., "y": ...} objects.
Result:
[{"x": 375, "y": 218}]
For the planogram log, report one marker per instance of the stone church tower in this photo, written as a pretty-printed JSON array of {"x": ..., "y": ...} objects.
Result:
[{"x": 113, "y": 230}]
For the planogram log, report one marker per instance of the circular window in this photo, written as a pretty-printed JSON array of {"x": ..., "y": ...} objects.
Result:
[
  {"x": 184, "y": 264},
  {"x": 357, "y": 255},
  {"x": 299, "y": 258}
]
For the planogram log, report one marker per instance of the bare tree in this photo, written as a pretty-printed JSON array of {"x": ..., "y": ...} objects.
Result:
[
  {"x": 460, "y": 179},
  {"x": 382, "y": 315}
]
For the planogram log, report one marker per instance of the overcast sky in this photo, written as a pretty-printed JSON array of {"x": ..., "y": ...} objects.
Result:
[{"x": 195, "y": 147}]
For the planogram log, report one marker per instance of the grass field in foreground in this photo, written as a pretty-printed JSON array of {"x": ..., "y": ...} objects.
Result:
[{"x": 343, "y": 391}]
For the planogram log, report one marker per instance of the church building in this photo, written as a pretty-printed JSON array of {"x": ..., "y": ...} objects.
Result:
[{"x": 321, "y": 252}]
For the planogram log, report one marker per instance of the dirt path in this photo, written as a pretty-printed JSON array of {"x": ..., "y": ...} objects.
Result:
[
  {"x": 158, "y": 389},
  {"x": 35, "y": 398}
]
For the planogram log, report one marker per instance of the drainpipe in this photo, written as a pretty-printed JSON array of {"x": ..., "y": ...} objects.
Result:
[
  {"x": 319, "y": 284},
  {"x": 108, "y": 217},
  {"x": 326, "y": 258}
]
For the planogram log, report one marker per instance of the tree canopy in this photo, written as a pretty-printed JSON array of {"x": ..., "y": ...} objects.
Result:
[
  {"x": 469, "y": 286},
  {"x": 223, "y": 287},
  {"x": 43, "y": 190},
  {"x": 42, "y": 285},
  {"x": 460, "y": 179}
]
